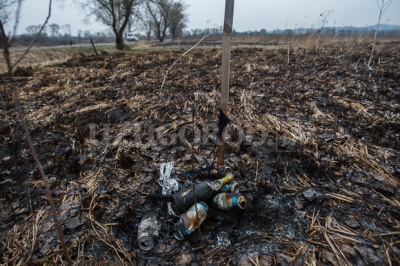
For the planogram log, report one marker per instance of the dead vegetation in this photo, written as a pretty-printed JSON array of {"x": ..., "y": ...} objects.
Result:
[{"x": 319, "y": 162}]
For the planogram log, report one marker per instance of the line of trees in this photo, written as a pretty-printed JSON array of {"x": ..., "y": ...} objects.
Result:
[
  {"x": 155, "y": 17},
  {"x": 53, "y": 30},
  {"x": 387, "y": 31}
]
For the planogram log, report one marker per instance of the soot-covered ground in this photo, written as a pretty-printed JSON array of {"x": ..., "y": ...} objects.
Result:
[{"x": 315, "y": 136}]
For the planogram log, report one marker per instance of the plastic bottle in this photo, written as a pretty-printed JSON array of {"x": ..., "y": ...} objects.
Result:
[
  {"x": 148, "y": 232},
  {"x": 228, "y": 201},
  {"x": 204, "y": 191},
  {"x": 190, "y": 221}
]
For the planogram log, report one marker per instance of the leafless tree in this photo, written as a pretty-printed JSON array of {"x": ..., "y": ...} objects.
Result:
[
  {"x": 129, "y": 25},
  {"x": 112, "y": 13},
  {"x": 178, "y": 19},
  {"x": 145, "y": 21},
  {"x": 86, "y": 34},
  {"x": 6, "y": 9},
  {"x": 382, "y": 6},
  {"x": 159, "y": 16},
  {"x": 160, "y": 12},
  {"x": 33, "y": 29},
  {"x": 67, "y": 29},
  {"x": 54, "y": 29}
]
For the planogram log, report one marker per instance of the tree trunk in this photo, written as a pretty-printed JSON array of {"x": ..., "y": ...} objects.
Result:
[
  {"x": 159, "y": 35},
  {"x": 163, "y": 33},
  {"x": 119, "y": 41}
]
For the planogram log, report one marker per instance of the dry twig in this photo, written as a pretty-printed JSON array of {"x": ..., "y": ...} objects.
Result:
[{"x": 6, "y": 46}]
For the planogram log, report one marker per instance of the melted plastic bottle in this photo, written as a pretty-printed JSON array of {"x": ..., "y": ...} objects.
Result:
[{"x": 190, "y": 220}]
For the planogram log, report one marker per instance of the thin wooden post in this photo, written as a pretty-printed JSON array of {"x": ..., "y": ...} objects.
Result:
[
  {"x": 94, "y": 47},
  {"x": 225, "y": 70}
]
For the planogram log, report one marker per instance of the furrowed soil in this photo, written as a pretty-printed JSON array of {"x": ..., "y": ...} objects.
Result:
[{"x": 314, "y": 135}]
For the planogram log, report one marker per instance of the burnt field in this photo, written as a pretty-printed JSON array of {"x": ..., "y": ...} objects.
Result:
[{"x": 314, "y": 135}]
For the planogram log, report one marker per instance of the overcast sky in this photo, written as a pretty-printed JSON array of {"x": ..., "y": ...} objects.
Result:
[{"x": 249, "y": 14}]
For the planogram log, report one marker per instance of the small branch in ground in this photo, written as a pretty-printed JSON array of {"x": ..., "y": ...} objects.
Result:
[
  {"x": 166, "y": 74},
  {"x": 383, "y": 6},
  {"x": 94, "y": 47},
  {"x": 381, "y": 62}
]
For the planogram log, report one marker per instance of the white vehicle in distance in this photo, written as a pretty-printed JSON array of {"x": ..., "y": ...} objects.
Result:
[{"x": 130, "y": 36}]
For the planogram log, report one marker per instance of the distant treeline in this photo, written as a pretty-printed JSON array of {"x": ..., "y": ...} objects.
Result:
[
  {"x": 385, "y": 31},
  {"x": 389, "y": 31},
  {"x": 24, "y": 40}
]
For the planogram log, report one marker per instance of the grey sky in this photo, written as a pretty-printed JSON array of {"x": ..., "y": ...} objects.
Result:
[{"x": 249, "y": 14}]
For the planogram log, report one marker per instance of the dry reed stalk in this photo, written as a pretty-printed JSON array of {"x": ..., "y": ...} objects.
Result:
[
  {"x": 392, "y": 201},
  {"x": 332, "y": 227},
  {"x": 255, "y": 263},
  {"x": 356, "y": 106},
  {"x": 93, "y": 179},
  {"x": 35, "y": 229},
  {"x": 293, "y": 130},
  {"x": 299, "y": 250},
  {"x": 313, "y": 259},
  {"x": 304, "y": 181},
  {"x": 341, "y": 197},
  {"x": 336, "y": 250},
  {"x": 387, "y": 234},
  {"x": 318, "y": 114},
  {"x": 387, "y": 254},
  {"x": 384, "y": 153},
  {"x": 108, "y": 239},
  {"x": 20, "y": 242},
  {"x": 211, "y": 253},
  {"x": 366, "y": 162}
]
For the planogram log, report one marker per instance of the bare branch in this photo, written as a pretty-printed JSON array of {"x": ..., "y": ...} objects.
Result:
[
  {"x": 383, "y": 6},
  {"x": 17, "y": 13},
  {"x": 36, "y": 38},
  {"x": 176, "y": 61}
]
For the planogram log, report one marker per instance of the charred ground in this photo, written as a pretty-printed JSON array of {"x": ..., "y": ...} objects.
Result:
[{"x": 321, "y": 166}]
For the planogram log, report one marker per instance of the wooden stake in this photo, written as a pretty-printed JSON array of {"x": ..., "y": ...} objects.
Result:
[
  {"x": 225, "y": 70},
  {"x": 94, "y": 47}
]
